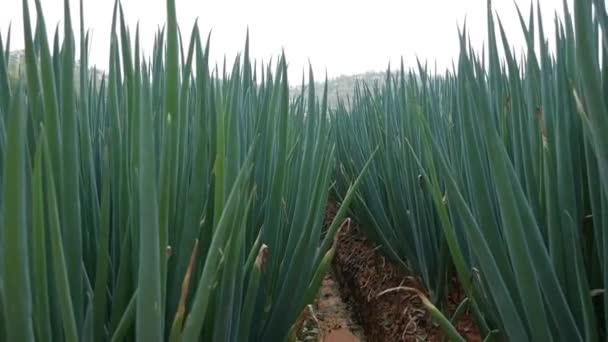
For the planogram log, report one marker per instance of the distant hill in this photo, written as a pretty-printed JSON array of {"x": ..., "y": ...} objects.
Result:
[
  {"x": 343, "y": 86},
  {"x": 16, "y": 68},
  {"x": 338, "y": 87},
  {"x": 16, "y": 65}
]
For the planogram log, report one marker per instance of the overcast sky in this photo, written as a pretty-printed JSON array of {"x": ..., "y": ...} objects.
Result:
[{"x": 340, "y": 36}]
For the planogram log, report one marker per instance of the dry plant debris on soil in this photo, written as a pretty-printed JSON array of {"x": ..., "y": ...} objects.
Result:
[{"x": 348, "y": 308}]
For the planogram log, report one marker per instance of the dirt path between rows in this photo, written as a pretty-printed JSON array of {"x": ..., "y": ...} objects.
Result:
[
  {"x": 335, "y": 316},
  {"x": 350, "y": 308},
  {"x": 329, "y": 318}
]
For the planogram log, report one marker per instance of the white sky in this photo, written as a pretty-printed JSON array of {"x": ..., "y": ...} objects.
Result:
[{"x": 340, "y": 36}]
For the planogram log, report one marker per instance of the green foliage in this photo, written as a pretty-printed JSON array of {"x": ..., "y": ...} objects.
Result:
[
  {"x": 392, "y": 204},
  {"x": 164, "y": 201},
  {"x": 171, "y": 201},
  {"x": 503, "y": 163}
]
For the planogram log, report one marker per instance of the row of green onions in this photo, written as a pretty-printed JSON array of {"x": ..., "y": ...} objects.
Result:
[
  {"x": 165, "y": 200},
  {"x": 496, "y": 171}
]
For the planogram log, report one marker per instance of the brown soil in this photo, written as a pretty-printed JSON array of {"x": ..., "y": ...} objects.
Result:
[
  {"x": 363, "y": 273},
  {"x": 335, "y": 317},
  {"x": 329, "y": 319},
  {"x": 340, "y": 335}
]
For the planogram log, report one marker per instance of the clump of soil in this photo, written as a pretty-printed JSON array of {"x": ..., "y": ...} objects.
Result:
[{"x": 363, "y": 273}]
